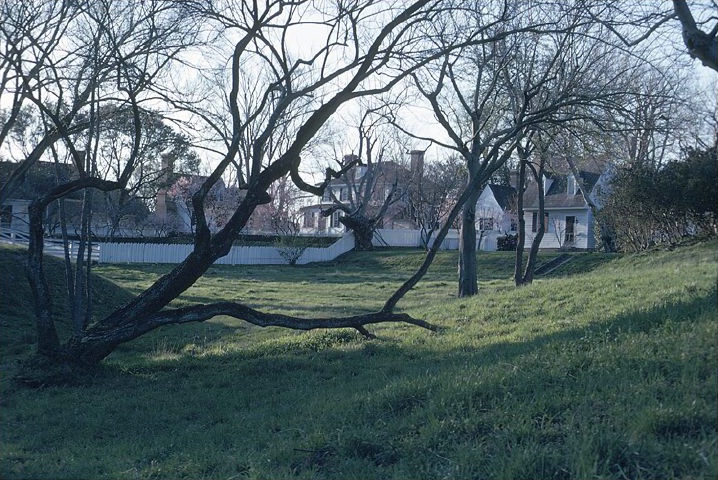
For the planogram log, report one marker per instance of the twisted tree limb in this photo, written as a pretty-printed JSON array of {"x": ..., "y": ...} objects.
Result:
[{"x": 100, "y": 340}]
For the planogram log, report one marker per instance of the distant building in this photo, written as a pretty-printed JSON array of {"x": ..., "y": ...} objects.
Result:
[
  {"x": 350, "y": 189},
  {"x": 112, "y": 212}
]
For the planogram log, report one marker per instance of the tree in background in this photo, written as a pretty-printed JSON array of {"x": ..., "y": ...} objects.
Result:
[
  {"x": 488, "y": 97},
  {"x": 432, "y": 195},
  {"x": 651, "y": 205},
  {"x": 533, "y": 156},
  {"x": 374, "y": 181}
]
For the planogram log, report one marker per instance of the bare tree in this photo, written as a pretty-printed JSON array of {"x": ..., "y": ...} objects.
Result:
[
  {"x": 485, "y": 96},
  {"x": 373, "y": 183},
  {"x": 366, "y": 49},
  {"x": 432, "y": 195},
  {"x": 528, "y": 149},
  {"x": 68, "y": 60}
]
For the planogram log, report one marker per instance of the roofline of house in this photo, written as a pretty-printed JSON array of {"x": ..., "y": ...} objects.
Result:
[{"x": 531, "y": 209}]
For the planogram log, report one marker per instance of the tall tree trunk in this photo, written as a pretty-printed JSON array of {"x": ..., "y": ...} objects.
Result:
[
  {"x": 521, "y": 238},
  {"x": 540, "y": 228},
  {"x": 363, "y": 229},
  {"x": 48, "y": 342},
  {"x": 81, "y": 301},
  {"x": 527, "y": 276},
  {"x": 468, "y": 283}
]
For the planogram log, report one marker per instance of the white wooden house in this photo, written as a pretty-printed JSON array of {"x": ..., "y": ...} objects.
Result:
[
  {"x": 495, "y": 215},
  {"x": 568, "y": 219}
]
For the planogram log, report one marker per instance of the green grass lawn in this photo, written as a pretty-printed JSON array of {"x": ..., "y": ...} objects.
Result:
[{"x": 604, "y": 369}]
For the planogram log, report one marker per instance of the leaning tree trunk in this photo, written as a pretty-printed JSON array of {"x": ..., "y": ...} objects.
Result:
[{"x": 536, "y": 243}]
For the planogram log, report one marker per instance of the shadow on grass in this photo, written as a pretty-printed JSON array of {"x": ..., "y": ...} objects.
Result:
[
  {"x": 582, "y": 263},
  {"x": 602, "y": 331},
  {"x": 317, "y": 403}
]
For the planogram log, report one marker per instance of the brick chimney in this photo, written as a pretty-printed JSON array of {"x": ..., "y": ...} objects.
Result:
[
  {"x": 417, "y": 162},
  {"x": 167, "y": 163}
]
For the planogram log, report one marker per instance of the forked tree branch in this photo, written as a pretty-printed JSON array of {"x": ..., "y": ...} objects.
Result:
[{"x": 701, "y": 45}]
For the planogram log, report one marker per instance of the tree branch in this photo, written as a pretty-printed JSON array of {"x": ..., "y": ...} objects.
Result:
[
  {"x": 701, "y": 45},
  {"x": 199, "y": 313}
]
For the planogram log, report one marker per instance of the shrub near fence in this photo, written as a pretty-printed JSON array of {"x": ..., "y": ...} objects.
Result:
[{"x": 238, "y": 255}]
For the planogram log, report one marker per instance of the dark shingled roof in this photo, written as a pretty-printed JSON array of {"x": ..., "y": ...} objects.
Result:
[
  {"x": 557, "y": 195},
  {"x": 504, "y": 195}
]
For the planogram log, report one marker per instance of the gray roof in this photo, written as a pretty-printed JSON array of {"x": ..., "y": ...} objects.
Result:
[
  {"x": 504, "y": 195},
  {"x": 557, "y": 195}
]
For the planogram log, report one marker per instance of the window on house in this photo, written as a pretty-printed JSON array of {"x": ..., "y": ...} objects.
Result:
[
  {"x": 309, "y": 219},
  {"x": 546, "y": 184},
  {"x": 6, "y": 216},
  {"x": 514, "y": 225},
  {"x": 534, "y": 222},
  {"x": 344, "y": 194},
  {"x": 486, "y": 224},
  {"x": 334, "y": 220},
  {"x": 327, "y": 196}
]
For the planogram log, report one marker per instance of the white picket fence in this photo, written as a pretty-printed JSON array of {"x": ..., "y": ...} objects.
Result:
[
  {"x": 175, "y": 253},
  {"x": 238, "y": 255},
  {"x": 412, "y": 238},
  {"x": 53, "y": 247}
]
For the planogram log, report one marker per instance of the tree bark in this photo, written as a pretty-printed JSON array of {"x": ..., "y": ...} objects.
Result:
[
  {"x": 521, "y": 238},
  {"x": 97, "y": 342},
  {"x": 363, "y": 229},
  {"x": 540, "y": 230},
  {"x": 526, "y": 277},
  {"x": 701, "y": 45},
  {"x": 48, "y": 342},
  {"x": 468, "y": 283}
]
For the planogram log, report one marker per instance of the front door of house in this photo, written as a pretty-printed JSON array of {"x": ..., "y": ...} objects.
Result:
[{"x": 570, "y": 224}]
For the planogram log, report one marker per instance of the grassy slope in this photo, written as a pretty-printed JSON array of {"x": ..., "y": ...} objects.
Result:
[{"x": 609, "y": 373}]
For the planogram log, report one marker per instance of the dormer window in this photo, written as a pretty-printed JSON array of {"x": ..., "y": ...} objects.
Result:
[
  {"x": 571, "y": 185},
  {"x": 546, "y": 184}
]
